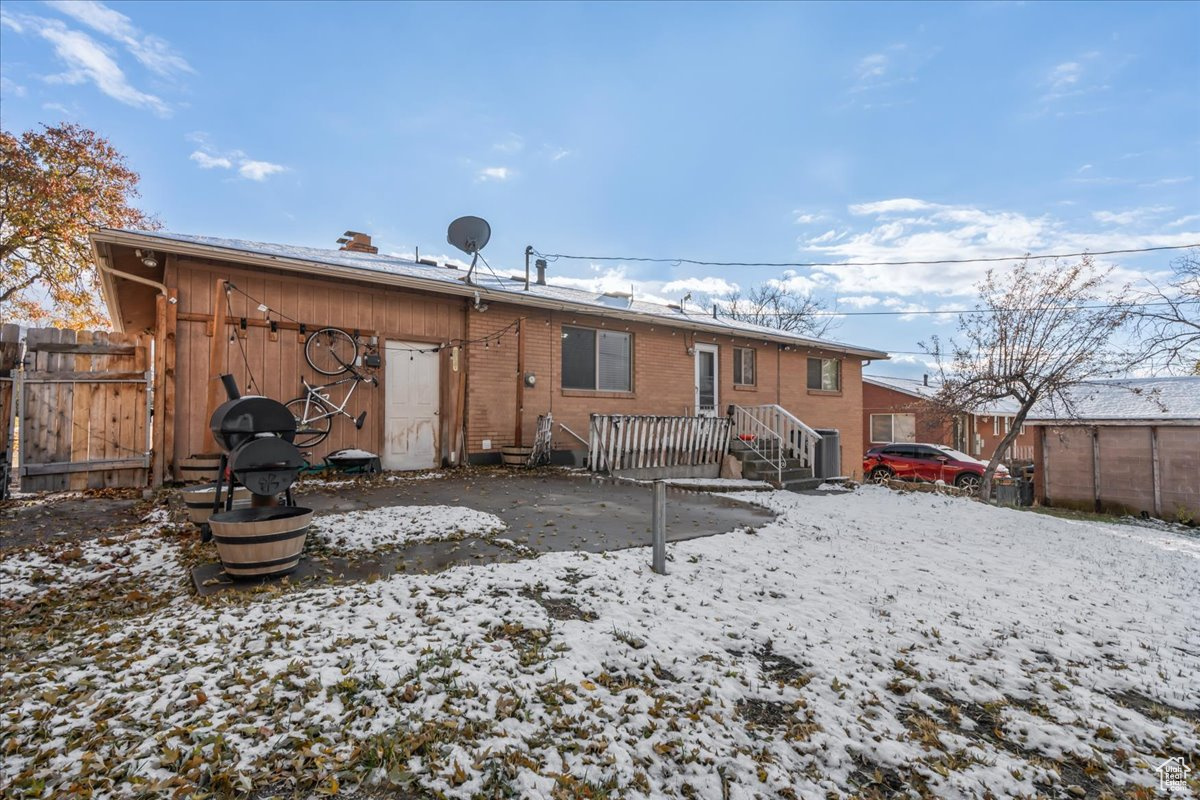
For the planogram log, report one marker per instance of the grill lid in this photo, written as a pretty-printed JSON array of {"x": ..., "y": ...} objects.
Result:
[
  {"x": 237, "y": 421},
  {"x": 266, "y": 466}
]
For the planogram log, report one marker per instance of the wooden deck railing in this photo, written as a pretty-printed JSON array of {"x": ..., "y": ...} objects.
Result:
[{"x": 626, "y": 441}]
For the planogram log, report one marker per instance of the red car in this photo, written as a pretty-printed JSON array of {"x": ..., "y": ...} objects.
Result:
[{"x": 926, "y": 462}]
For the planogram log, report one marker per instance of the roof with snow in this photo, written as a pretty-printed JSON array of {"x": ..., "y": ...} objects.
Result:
[
  {"x": 918, "y": 388},
  {"x": 1127, "y": 400},
  {"x": 406, "y": 271}
]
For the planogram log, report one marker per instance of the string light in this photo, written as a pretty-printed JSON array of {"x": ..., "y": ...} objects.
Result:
[{"x": 495, "y": 336}]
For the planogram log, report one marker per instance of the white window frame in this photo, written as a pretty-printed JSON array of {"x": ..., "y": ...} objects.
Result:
[{"x": 892, "y": 429}]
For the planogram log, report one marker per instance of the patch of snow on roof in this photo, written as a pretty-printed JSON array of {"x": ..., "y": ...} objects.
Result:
[
  {"x": 1133, "y": 398},
  {"x": 491, "y": 286}
]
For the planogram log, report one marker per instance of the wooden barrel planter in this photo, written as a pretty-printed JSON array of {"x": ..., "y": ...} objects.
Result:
[
  {"x": 199, "y": 500},
  {"x": 513, "y": 456},
  {"x": 260, "y": 542},
  {"x": 200, "y": 469}
]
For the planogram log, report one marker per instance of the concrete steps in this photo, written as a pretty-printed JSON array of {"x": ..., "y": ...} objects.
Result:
[{"x": 757, "y": 468}]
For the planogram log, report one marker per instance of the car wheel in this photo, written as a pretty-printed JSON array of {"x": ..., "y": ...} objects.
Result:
[
  {"x": 969, "y": 481},
  {"x": 881, "y": 475}
]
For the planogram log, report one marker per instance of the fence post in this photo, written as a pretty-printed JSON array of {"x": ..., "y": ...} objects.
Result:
[{"x": 658, "y": 526}]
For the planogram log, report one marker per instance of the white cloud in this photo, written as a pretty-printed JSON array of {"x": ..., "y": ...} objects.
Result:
[
  {"x": 858, "y": 301},
  {"x": 206, "y": 161},
  {"x": 907, "y": 229},
  {"x": 510, "y": 144},
  {"x": 560, "y": 154},
  {"x": 893, "y": 66},
  {"x": 1064, "y": 75},
  {"x": 151, "y": 51},
  {"x": 899, "y": 204},
  {"x": 11, "y": 22},
  {"x": 1166, "y": 181},
  {"x": 494, "y": 174},
  {"x": 711, "y": 286},
  {"x": 89, "y": 61},
  {"x": 830, "y": 235},
  {"x": 1083, "y": 169},
  {"x": 1184, "y": 220},
  {"x": 802, "y": 218},
  {"x": 258, "y": 170},
  {"x": 1129, "y": 217},
  {"x": 209, "y": 157},
  {"x": 10, "y": 87},
  {"x": 607, "y": 279},
  {"x": 871, "y": 67}
]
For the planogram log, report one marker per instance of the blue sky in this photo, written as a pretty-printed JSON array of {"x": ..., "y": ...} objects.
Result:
[{"x": 741, "y": 132}]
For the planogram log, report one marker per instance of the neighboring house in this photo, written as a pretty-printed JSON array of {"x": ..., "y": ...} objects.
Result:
[
  {"x": 905, "y": 410},
  {"x": 1124, "y": 446},
  {"x": 467, "y": 367}
]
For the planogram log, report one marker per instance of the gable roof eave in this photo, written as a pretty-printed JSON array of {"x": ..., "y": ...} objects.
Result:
[{"x": 326, "y": 269}]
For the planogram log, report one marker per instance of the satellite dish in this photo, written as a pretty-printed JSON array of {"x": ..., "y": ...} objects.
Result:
[{"x": 469, "y": 234}]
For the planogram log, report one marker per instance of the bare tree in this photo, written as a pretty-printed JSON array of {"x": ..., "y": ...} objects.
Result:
[
  {"x": 776, "y": 306},
  {"x": 1034, "y": 334},
  {"x": 1167, "y": 322}
]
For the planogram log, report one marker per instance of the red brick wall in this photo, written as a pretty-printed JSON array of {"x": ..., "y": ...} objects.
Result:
[
  {"x": 931, "y": 428},
  {"x": 984, "y": 425},
  {"x": 663, "y": 380}
]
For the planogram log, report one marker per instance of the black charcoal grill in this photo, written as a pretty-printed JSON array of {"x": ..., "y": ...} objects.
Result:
[{"x": 255, "y": 435}]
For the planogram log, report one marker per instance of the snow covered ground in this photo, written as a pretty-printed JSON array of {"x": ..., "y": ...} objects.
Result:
[
  {"x": 866, "y": 643},
  {"x": 395, "y": 526}
]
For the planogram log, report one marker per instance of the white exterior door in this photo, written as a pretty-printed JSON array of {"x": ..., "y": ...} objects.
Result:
[
  {"x": 410, "y": 407},
  {"x": 706, "y": 380}
]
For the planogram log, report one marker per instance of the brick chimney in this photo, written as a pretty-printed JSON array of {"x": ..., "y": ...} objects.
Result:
[{"x": 357, "y": 242}]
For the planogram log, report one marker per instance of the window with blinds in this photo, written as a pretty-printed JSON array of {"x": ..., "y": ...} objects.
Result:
[
  {"x": 743, "y": 366},
  {"x": 595, "y": 359}
]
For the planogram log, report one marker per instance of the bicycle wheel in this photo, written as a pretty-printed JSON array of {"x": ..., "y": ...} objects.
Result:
[
  {"x": 330, "y": 351},
  {"x": 310, "y": 432}
]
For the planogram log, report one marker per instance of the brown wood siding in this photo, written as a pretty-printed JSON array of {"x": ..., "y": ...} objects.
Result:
[{"x": 277, "y": 362}]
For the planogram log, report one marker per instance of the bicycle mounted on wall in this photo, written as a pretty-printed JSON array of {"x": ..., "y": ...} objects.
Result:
[{"x": 333, "y": 352}]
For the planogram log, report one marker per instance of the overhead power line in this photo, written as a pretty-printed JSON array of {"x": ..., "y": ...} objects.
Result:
[
  {"x": 966, "y": 310},
  {"x": 786, "y": 264}
]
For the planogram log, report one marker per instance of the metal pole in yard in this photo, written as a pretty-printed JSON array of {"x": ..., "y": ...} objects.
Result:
[{"x": 658, "y": 526}]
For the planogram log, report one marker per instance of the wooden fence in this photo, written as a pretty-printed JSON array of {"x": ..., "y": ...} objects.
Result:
[
  {"x": 83, "y": 402},
  {"x": 10, "y": 358},
  {"x": 618, "y": 442}
]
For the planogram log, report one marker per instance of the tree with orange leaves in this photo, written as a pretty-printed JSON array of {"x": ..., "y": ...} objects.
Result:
[{"x": 57, "y": 185}]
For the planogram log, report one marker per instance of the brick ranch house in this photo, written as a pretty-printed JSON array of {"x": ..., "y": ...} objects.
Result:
[
  {"x": 1125, "y": 446},
  {"x": 903, "y": 410},
  {"x": 467, "y": 368}
]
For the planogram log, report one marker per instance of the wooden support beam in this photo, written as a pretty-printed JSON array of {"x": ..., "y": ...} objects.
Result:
[
  {"x": 73, "y": 348},
  {"x": 158, "y": 467},
  {"x": 165, "y": 411},
  {"x": 65, "y": 467},
  {"x": 520, "y": 381},
  {"x": 216, "y": 351}
]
